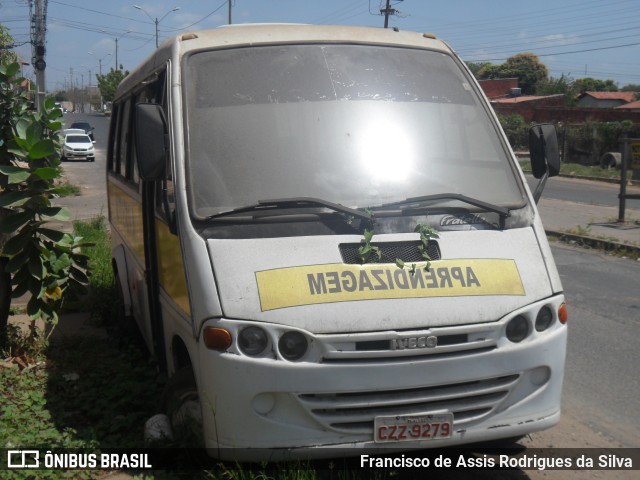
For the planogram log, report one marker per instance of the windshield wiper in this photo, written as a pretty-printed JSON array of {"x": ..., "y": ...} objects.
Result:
[
  {"x": 293, "y": 203},
  {"x": 413, "y": 203}
]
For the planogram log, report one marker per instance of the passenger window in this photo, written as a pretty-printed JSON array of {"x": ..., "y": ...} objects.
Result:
[
  {"x": 124, "y": 139},
  {"x": 113, "y": 138}
]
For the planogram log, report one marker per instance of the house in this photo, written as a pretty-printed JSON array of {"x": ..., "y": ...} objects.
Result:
[
  {"x": 498, "y": 87},
  {"x": 633, "y": 106},
  {"x": 605, "y": 99},
  {"x": 506, "y": 91},
  {"x": 556, "y": 100}
]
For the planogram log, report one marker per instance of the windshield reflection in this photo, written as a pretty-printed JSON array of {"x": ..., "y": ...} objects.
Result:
[{"x": 355, "y": 125}]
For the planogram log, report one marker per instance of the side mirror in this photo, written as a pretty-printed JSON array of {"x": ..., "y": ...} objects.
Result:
[
  {"x": 151, "y": 140},
  {"x": 543, "y": 149},
  {"x": 545, "y": 158}
]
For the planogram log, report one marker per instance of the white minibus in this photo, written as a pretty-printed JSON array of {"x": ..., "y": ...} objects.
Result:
[{"x": 328, "y": 244}]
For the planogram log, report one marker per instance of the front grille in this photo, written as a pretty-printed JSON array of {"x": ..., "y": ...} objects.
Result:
[
  {"x": 409, "y": 345},
  {"x": 355, "y": 412},
  {"x": 405, "y": 251}
]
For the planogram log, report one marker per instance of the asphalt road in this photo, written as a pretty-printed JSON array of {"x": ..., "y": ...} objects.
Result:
[
  {"x": 601, "y": 379},
  {"x": 576, "y": 190}
]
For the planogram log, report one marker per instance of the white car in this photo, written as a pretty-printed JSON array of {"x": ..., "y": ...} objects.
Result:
[{"x": 78, "y": 145}]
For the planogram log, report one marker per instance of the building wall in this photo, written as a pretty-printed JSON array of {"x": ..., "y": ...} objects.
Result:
[
  {"x": 590, "y": 102},
  {"x": 536, "y": 113},
  {"x": 499, "y": 87}
]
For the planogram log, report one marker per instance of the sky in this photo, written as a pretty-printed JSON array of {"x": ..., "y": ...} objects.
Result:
[{"x": 576, "y": 38}]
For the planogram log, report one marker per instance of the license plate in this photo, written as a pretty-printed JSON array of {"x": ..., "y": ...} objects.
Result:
[{"x": 411, "y": 428}]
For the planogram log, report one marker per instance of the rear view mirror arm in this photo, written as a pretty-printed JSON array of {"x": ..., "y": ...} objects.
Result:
[{"x": 540, "y": 187}]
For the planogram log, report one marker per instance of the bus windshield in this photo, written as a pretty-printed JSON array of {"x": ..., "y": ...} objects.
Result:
[{"x": 355, "y": 125}]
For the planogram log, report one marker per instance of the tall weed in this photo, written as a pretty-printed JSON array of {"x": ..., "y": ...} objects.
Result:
[{"x": 101, "y": 301}]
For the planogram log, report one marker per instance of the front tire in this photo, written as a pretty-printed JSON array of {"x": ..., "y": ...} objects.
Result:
[{"x": 181, "y": 403}]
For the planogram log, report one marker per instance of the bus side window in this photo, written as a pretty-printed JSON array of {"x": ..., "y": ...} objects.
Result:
[
  {"x": 165, "y": 195},
  {"x": 113, "y": 136},
  {"x": 124, "y": 141}
]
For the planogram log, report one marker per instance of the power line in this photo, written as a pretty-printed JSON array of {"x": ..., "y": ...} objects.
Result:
[
  {"x": 565, "y": 53},
  {"x": 556, "y": 46},
  {"x": 201, "y": 20},
  {"x": 76, "y": 7},
  {"x": 339, "y": 14}
]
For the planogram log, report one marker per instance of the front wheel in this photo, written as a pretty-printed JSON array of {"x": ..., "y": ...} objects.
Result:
[{"x": 181, "y": 403}]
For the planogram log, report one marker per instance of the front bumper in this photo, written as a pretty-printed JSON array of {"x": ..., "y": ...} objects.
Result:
[
  {"x": 72, "y": 154},
  {"x": 503, "y": 389}
]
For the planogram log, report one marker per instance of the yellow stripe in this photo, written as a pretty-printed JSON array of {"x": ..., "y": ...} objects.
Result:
[
  {"x": 171, "y": 268},
  {"x": 315, "y": 284},
  {"x": 126, "y": 217}
]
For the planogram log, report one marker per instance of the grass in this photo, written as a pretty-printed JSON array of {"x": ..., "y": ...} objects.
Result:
[
  {"x": 96, "y": 392},
  {"x": 68, "y": 190},
  {"x": 102, "y": 300},
  {"x": 78, "y": 391}
]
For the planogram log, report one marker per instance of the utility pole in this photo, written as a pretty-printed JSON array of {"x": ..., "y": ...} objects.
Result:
[
  {"x": 229, "y": 12},
  {"x": 155, "y": 20},
  {"x": 38, "y": 31},
  {"x": 387, "y": 11}
]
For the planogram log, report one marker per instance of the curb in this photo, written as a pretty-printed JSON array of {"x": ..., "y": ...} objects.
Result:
[{"x": 601, "y": 244}]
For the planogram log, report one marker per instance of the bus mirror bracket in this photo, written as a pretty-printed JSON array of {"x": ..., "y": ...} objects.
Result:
[
  {"x": 151, "y": 134},
  {"x": 544, "y": 154}
]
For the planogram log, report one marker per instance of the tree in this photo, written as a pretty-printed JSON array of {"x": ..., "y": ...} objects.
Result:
[
  {"x": 109, "y": 82},
  {"x": 558, "y": 85},
  {"x": 588, "y": 84},
  {"x": 526, "y": 67},
  {"x": 631, "y": 87},
  {"x": 516, "y": 130},
  {"x": 34, "y": 259},
  {"x": 476, "y": 67},
  {"x": 490, "y": 71},
  {"x": 6, "y": 44}
]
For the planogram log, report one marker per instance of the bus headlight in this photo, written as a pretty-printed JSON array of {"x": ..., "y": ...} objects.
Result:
[
  {"x": 517, "y": 329},
  {"x": 293, "y": 345},
  {"x": 544, "y": 319},
  {"x": 253, "y": 341}
]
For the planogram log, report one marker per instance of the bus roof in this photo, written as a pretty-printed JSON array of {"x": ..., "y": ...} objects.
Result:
[{"x": 264, "y": 34}]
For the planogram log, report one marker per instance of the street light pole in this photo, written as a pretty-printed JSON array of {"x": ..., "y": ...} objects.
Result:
[
  {"x": 100, "y": 75},
  {"x": 100, "y": 61},
  {"x": 118, "y": 38},
  {"x": 155, "y": 20}
]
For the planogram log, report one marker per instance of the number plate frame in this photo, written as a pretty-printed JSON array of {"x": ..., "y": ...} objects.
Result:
[{"x": 412, "y": 428}]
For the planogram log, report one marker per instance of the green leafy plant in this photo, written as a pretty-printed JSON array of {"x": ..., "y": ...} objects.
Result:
[
  {"x": 37, "y": 260},
  {"x": 426, "y": 234},
  {"x": 366, "y": 250}
]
